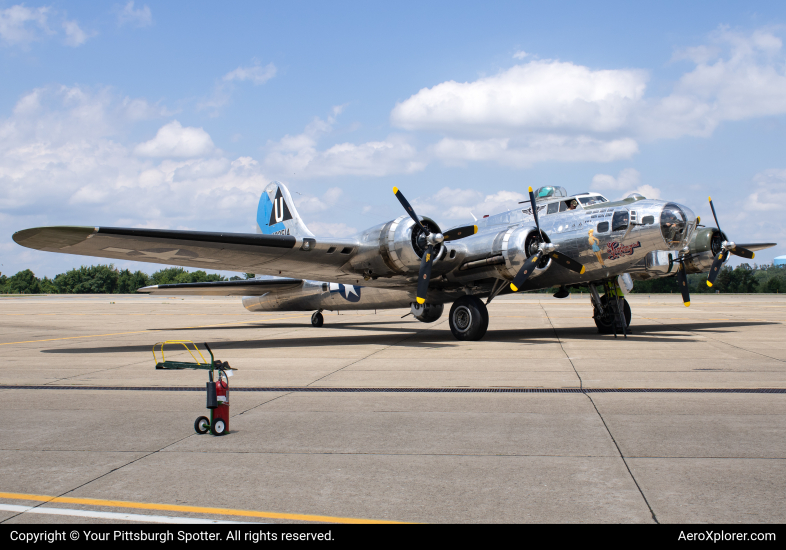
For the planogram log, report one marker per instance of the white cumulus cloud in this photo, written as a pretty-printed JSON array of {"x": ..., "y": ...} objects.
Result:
[
  {"x": 629, "y": 177},
  {"x": 75, "y": 36},
  {"x": 526, "y": 151},
  {"x": 172, "y": 140},
  {"x": 537, "y": 96},
  {"x": 462, "y": 204},
  {"x": 298, "y": 156},
  {"x": 255, "y": 73},
  {"x": 20, "y": 25},
  {"x": 141, "y": 17},
  {"x": 737, "y": 76},
  {"x": 627, "y": 181},
  {"x": 309, "y": 203}
]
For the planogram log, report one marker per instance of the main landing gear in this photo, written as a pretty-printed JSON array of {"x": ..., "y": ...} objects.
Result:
[
  {"x": 611, "y": 311},
  {"x": 469, "y": 318},
  {"x": 317, "y": 320}
]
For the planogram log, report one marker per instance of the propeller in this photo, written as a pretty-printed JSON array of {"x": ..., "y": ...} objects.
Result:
[
  {"x": 544, "y": 249},
  {"x": 433, "y": 240},
  {"x": 682, "y": 281},
  {"x": 727, "y": 247}
]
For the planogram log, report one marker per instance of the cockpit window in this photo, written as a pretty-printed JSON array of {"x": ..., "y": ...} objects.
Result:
[
  {"x": 595, "y": 199},
  {"x": 672, "y": 224},
  {"x": 552, "y": 209}
]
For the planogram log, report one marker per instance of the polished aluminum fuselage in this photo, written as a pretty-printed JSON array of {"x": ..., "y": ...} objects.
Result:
[{"x": 383, "y": 256}]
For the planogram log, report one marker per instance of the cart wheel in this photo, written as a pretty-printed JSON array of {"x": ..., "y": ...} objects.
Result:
[
  {"x": 218, "y": 427},
  {"x": 201, "y": 425}
]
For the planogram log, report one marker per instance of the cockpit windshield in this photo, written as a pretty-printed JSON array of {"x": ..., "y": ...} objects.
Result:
[
  {"x": 595, "y": 199},
  {"x": 673, "y": 224}
]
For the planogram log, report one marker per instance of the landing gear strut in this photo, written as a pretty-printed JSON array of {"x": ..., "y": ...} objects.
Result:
[
  {"x": 611, "y": 311},
  {"x": 469, "y": 318},
  {"x": 317, "y": 320}
]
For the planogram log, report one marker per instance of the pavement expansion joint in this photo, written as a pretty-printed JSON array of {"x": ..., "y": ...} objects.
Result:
[
  {"x": 317, "y": 389},
  {"x": 605, "y": 425}
]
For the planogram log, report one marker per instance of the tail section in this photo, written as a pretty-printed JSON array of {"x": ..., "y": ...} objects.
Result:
[{"x": 276, "y": 214}]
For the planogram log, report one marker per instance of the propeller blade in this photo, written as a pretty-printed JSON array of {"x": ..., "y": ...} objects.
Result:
[
  {"x": 713, "y": 214},
  {"x": 567, "y": 261},
  {"x": 424, "y": 276},
  {"x": 682, "y": 281},
  {"x": 742, "y": 252},
  {"x": 525, "y": 271},
  {"x": 534, "y": 210},
  {"x": 716, "y": 265},
  {"x": 408, "y": 207},
  {"x": 460, "y": 232}
]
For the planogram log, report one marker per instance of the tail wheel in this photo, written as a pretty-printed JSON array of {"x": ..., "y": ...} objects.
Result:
[
  {"x": 605, "y": 322},
  {"x": 469, "y": 319},
  {"x": 317, "y": 320},
  {"x": 201, "y": 425}
]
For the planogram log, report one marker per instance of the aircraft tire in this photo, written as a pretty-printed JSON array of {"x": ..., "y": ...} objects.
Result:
[
  {"x": 605, "y": 323},
  {"x": 317, "y": 320},
  {"x": 469, "y": 319}
]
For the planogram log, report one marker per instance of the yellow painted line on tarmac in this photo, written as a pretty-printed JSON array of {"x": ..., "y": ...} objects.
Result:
[
  {"x": 194, "y": 509},
  {"x": 149, "y": 330}
]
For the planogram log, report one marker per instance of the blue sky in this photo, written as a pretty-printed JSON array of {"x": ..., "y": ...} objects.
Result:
[{"x": 175, "y": 115}]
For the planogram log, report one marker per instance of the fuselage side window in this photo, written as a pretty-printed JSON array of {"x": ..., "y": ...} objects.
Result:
[
  {"x": 552, "y": 209},
  {"x": 603, "y": 227},
  {"x": 563, "y": 206},
  {"x": 619, "y": 222}
]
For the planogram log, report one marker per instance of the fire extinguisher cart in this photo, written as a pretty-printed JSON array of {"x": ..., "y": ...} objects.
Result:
[{"x": 218, "y": 373}]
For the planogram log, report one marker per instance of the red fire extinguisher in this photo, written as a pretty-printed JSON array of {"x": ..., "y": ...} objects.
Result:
[{"x": 220, "y": 423}]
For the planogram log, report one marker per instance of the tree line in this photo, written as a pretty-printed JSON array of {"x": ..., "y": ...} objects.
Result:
[
  {"x": 741, "y": 279},
  {"x": 102, "y": 279},
  {"x": 106, "y": 279}
]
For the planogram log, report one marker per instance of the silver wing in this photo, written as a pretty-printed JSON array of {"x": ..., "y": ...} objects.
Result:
[{"x": 301, "y": 257}]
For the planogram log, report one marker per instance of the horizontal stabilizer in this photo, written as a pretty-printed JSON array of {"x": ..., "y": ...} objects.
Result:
[{"x": 249, "y": 287}]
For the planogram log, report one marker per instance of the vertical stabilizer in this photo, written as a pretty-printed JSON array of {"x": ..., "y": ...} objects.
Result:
[{"x": 276, "y": 214}]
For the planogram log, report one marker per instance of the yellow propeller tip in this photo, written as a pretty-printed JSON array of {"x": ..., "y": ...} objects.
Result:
[
  {"x": 395, "y": 190},
  {"x": 709, "y": 283},
  {"x": 421, "y": 300},
  {"x": 698, "y": 219},
  {"x": 583, "y": 269},
  {"x": 476, "y": 229},
  {"x": 513, "y": 287},
  {"x": 687, "y": 304},
  {"x": 530, "y": 189},
  {"x": 753, "y": 256},
  {"x": 709, "y": 199}
]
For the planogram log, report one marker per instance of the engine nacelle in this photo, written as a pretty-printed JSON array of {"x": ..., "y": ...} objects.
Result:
[
  {"x": 395, "y": 248},
  {"x": 704, "y": 246},
  {"x": 515, "y": 245}
]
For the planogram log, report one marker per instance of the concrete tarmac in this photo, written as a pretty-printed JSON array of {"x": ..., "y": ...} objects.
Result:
[{"x": 305, "y": 447}]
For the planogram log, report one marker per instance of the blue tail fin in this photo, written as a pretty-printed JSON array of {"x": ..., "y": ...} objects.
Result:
[{"x": 276, "y": 214}]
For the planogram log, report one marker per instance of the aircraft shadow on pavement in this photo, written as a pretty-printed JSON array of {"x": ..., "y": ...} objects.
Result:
[{"x": 420, "y": 338}]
